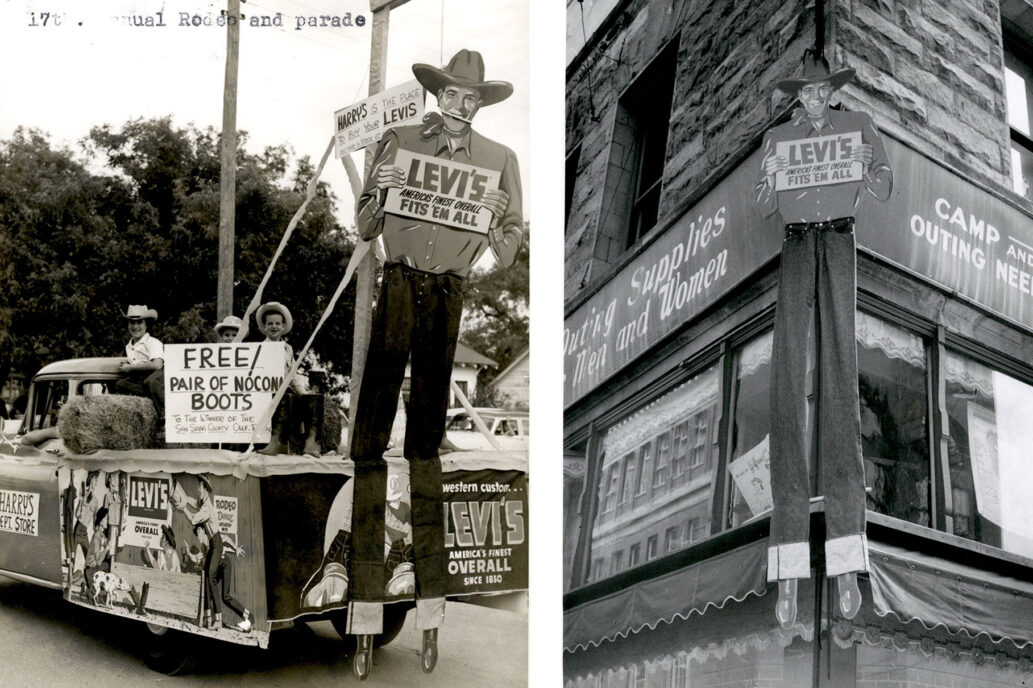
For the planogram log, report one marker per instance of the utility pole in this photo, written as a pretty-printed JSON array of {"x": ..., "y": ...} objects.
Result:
[
  {"x": 228, "y": 164},
  {"x": 365, "y": 275}
]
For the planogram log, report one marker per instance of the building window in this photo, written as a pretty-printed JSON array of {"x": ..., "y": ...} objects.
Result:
[
  {"x": 990, "y": 434},
  {"x": 893, "y": 384},
  {"x": 649, "y": 506},
  {"x": 635, "y": 554},
  {"x": 617, "y": 562},
  {"x": 638, "y": 152},
  {"x": 1018, "y": 85}
]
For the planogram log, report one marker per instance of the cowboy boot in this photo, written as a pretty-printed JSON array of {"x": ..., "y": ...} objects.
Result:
[
  {"x": 329, "y": 584},
  {"x": 363, "y": 662},
  {"x": 279, "y": 438},
  {"x": 429, "y": 656},
  {"x": 785, "y": 606},
  {"x": 849, "y": 594},
  {"x": 313, "y": 408}
]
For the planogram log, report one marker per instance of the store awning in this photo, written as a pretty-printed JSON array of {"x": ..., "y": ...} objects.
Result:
[
  {"x": 710, "y": 583},
  {"x": 959, "y": 598}
]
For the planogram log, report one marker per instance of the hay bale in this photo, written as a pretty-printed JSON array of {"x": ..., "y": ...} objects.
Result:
[{"x": 107, "y": 421}]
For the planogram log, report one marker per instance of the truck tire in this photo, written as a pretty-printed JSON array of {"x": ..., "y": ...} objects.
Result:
[
  {"x": 168, "y": 651},
  {"x": 394, "y": 621}
]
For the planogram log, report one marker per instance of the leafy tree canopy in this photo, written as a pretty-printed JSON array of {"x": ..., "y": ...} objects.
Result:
[{"x": 131, "y": 216}]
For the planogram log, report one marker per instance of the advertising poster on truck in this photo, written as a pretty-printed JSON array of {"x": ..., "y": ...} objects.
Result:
[
  {"x": 180, "y": 550},
  {"x": 219, "y": 392},
  {"x": 485, "y": 536}
]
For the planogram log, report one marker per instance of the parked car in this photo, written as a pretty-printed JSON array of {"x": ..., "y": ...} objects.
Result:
[{"x": 509, "y": 428}]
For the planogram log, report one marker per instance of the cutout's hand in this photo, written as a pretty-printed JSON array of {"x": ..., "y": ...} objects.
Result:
[
  {"x": 496, "y": 202},
  {"x": 390, "y": 177}
]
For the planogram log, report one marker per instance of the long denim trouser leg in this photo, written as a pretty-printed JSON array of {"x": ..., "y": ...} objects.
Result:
[
  {"x": 390, "y": 341},
  {"x": 440, "y": 307},
  {"x": 839, "y": 425},
  {"x": 788, "y": 549}
]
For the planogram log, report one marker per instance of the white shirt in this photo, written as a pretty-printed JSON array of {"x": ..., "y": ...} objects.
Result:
[{"x": 147, "y": 349}]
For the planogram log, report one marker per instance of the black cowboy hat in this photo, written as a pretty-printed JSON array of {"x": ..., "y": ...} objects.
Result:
[
  {"x": 816, "y": 69},
  {"x": 169, "y": 535},
  {"x": 99, "y": 516},
  {"x": 466, "y": 69}
]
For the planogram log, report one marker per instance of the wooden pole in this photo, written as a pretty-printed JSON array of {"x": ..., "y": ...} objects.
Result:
[{"x": 228, "y": 164}]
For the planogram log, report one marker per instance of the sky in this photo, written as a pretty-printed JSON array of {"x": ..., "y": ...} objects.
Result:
[{"x": 95, "y": 67}]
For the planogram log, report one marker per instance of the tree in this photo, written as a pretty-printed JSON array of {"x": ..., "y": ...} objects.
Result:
[
  {"x": 76, "y": 246},
  {"x": 496, "y": 315}
]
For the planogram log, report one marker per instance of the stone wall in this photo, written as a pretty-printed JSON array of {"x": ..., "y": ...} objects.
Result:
[{"x": 929, "y": 72}]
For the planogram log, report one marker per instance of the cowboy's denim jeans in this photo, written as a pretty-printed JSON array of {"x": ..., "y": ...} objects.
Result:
[
  {"x": 417, "y": 313},
  {"x": 818, "y": 264}
]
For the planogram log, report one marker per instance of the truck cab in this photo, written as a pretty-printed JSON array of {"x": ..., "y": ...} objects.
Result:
[{"x": 53, "y": 385}]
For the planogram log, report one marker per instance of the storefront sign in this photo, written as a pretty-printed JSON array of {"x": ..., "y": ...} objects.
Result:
[
  {"x": 711, "y": 248},
  {"x": 442, "y": 191},
  {"x": 935, "y": 223},
  {"x": 19, "y": 512},
  {"x": 818, "y": 161},
  {"x": 218, "y": 392},
  {"x": 364, "y": 123},
  {"x": 954, "y": 233}
]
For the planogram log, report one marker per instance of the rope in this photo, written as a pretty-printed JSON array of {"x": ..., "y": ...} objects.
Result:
[
  {"x": 357, "y": 255},
  {"x": 310, "y": 194}
]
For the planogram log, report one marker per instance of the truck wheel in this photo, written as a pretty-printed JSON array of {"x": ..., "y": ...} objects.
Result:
[
  {"x": 394, "y": 621},
  {"x": 167, "y": 651}
]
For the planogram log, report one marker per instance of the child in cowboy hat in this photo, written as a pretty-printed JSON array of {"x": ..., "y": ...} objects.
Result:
[
  {"x": 275, "y": 321},
  {"x": 145, "y": 361},
  {"x": 226, "y": 331}
]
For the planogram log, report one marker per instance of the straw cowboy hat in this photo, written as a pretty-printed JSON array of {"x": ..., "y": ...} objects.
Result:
[
  {"x": 273, "y": 306},
  {"x": 229, "y": 321},
  {"x": 466, "y": 68},
  {"x": 816, "y": 69},
  {"x": 140, "y": 313}
]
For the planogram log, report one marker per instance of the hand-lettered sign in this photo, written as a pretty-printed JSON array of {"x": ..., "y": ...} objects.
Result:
[
  {"x": 442, "y": 191},
  {"x": 818, "y": 161},
  {"x": 363, "y": 123}
]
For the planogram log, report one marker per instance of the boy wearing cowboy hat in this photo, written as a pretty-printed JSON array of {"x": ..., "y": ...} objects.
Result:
[
  {"x": 418, "y": 313},
  {"x": 145, "y": 360},
  {"x": 818, "y": 264},
  {"x": 226, "y": 331},
  {"x": 275, "y": 321}
]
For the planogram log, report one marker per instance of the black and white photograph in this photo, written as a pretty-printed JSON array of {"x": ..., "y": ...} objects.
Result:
[
  {"x": 265, "y": 342},
  {"x": 798, "y": 344}
]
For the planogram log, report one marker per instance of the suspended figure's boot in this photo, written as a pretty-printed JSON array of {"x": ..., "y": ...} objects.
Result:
[
  {"x": 329, "y": 584},
  {"x": 849, "y": 594},
  {"x": 429, "y": 656},
  {"x": 313, "y": 409},
  {"x": 363, "y": 663},
  {"x": 785, "y": 606},
  {"x": 280, "y": 436}
]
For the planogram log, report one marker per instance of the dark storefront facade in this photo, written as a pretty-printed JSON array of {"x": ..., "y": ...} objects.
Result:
[{"x": 671, "y": 281}]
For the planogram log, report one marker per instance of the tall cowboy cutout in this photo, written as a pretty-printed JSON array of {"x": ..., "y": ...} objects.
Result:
[
  {"x": 816, "y": 169},
  {"x": 431, "y": 243}
]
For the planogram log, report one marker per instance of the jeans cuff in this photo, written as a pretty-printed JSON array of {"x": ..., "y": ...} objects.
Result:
[
  {"x": 365, "y": 618},
  {"x": 847, "y": 554},
  {"x": 430, "y": 613},
  {"x": 789, "y": 560}
]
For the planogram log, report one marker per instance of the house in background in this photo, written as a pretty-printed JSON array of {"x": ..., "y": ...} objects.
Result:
[
  {"x": 513, "y": 385},
  {"x": 467, "y": 365}
]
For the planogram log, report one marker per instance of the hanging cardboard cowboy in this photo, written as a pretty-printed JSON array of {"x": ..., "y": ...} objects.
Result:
[
  {"x": 440, "y": 195},
  {"x": 816, "y": 170}
]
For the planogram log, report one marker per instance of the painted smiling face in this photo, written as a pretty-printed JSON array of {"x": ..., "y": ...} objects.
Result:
[
  {"x": 815, "y": 98},
  {"x": 458, "y": 105}
]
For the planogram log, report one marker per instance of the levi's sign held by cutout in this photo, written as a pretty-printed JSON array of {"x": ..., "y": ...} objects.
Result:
[
  {"x": 442, "y": 191},
  {"x": 818, "y": 161}
]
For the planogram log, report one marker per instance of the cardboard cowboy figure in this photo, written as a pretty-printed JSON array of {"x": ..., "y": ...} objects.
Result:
[
  {"x": 417, "y": 315},
  {"x": 816, "y": 169}
]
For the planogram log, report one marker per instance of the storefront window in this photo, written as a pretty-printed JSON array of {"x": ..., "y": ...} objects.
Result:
[
  {"x": 573, "y": 489},
  {"x": 892, "y": 384},
  {"x": 657, "y": 473},
  {"x": 989, "y": 454},
  {"x": 749, "y": 468}
]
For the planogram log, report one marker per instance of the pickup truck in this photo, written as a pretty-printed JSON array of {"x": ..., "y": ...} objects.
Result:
[{"x": 202, "y": 542}]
